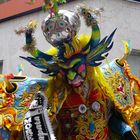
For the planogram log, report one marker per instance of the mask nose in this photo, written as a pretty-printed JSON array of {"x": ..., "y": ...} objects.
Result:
[{"x": 71, "y": 75}]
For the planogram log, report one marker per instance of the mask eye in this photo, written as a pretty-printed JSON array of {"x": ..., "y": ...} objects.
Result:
[
  {"x": 81, "y": 68},
  {"x": 62, "y": 24},
  {"x": 83, "y": 11},
  {"x": 50, "y": 27}
]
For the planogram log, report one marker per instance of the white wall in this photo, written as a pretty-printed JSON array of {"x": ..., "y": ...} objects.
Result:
[
  {"x": 118, "y": 13},
  {"x": 134, "y": 60}
]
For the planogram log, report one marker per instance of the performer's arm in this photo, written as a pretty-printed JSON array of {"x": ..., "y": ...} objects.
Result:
[{"x": 120, "y": 127}]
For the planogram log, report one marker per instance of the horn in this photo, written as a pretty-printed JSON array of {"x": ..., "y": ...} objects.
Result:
[{"x": 9, "y": 87}]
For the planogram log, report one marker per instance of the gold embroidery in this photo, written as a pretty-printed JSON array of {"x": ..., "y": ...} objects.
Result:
[{"x": 92, "y": 123}]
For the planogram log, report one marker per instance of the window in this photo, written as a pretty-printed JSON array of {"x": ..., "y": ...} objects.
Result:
[
  {"x": 134, "y": 62},
  {"x": 137, "y": 1},
  {"x": 1, "y": 66}
]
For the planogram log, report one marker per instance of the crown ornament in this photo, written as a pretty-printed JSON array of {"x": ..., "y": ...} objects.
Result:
[{"x": 61, "y": 27}]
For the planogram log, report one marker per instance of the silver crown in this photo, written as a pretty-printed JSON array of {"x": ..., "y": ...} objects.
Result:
[{"x": 60, "y": 28}]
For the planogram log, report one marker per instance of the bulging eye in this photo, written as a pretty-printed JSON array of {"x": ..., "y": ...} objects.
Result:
[
  {"x": 50, "y": 27},
  {"x": 81, "y": 68},
  {"x": 89, "y": 15},
  {"x": 83, "y": 11},
  {"x": 62, "y": 24}
]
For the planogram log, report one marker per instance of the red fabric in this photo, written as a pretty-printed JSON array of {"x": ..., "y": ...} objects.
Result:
[
  {"x": 74, "y": 99},
  {"x": 69, "y": 115}
]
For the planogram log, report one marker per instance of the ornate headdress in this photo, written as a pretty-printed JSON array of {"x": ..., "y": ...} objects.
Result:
[{"x": 60, "y": 30}]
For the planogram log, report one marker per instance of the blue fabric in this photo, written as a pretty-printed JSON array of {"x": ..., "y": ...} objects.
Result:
[
  {"x": 118, "y": 126},
  {"x": 137, "y": 124},
  {"x": 4, "y": 134}
]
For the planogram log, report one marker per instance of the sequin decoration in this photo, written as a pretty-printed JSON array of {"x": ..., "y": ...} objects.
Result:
[
  {"x": 96, "y": 106},
  {"x": 82, "y": 108}
]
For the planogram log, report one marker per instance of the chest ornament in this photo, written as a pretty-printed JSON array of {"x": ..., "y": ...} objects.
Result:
[{"x": 91, "y": 122}]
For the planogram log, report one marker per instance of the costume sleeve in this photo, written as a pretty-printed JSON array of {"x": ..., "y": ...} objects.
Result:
[
  {"x": 118, "y": 126},
  {"x": 126, "y": 90},
  {"x": 112, "y": 67},
  {"x": 15, "y": 104}
]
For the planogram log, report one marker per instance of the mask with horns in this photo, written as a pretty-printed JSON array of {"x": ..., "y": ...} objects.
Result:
[{"x": 74, "y": 53}]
